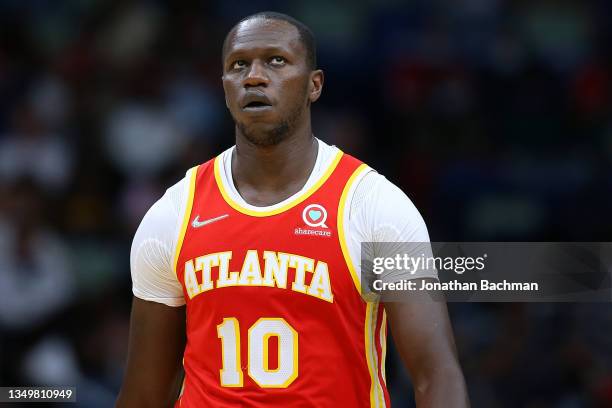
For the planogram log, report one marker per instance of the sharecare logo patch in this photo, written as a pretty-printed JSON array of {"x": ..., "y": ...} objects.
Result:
[{"x": 315, "y": 215}]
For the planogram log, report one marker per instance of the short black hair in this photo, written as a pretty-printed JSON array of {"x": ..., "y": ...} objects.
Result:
[{"x": 306, "y": 36}]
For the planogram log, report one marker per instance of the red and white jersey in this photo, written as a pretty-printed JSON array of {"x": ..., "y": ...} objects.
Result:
[{"x": 274, "y": 311}]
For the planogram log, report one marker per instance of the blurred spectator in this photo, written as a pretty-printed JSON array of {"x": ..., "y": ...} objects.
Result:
[
  {"x": 35, "y": 276},
  {"x": 142, "y": 140},
  {"x": 30, "y": 149}
]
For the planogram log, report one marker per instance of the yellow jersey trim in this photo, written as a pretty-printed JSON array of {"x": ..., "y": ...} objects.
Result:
[
  {"x": 341, "y": 223},
  {"x": 297, "y": 200},
  {"x": 383, "y": 345},
  {"x": 191, "y": 174},
  {"x": 377, "y": 397}
]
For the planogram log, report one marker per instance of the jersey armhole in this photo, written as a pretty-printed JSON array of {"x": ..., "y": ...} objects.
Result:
[
  {"x": 344, "y": 209},
  {"x": 184, "y": 215}
]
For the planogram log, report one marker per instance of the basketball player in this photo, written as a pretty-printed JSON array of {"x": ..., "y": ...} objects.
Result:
[{"x": 246, "y": 272}]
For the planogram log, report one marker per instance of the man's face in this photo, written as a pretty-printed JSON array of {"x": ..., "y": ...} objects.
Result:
[{"x": 268, "y": 85}]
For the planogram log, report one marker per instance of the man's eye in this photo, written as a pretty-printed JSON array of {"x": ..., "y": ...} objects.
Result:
[
  {"x": 238, "y": 64},
  {"x": 277, "y": 60}
]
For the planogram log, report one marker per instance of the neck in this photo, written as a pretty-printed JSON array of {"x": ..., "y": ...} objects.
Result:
[{"x": 267, "y": 175}]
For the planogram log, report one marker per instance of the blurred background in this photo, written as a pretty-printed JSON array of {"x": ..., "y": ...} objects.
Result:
[{"x": 494, "y": 116}]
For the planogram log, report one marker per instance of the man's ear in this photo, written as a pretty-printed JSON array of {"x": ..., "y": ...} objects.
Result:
[{"x": 316, "y": 85}]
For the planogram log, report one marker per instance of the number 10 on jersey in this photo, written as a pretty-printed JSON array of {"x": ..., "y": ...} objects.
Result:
[{"x": 258, "y": 343}]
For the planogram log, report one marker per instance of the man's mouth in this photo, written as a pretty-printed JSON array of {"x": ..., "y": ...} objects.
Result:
[
  {"x": 256, "y": 102},
  {"x": 256, "y": 106}
]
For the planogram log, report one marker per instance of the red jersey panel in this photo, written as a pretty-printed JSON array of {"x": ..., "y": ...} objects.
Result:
[{"x": 274, "y": 313}]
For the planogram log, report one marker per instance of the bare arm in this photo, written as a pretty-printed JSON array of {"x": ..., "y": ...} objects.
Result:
[
  {"x": 423, "y": 335},
  {"x": 154, "y": 364}
]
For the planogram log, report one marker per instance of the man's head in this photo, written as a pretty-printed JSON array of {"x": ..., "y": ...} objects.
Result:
[{"x": 269, "y": 76}]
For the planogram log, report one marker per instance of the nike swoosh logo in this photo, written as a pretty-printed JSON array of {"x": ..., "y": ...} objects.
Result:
[{"x": 196, "y": 223}]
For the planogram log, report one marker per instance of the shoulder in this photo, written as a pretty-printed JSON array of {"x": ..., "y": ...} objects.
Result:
[
  {"x": 166, "y": 211},
  {"x": 152, "y": 252},
  {"x": 378, "y": 211},
  {"x": 384, "y": 211}
]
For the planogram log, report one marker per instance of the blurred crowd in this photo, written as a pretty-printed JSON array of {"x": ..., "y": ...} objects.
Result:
[{"x": 495, "y": 117}]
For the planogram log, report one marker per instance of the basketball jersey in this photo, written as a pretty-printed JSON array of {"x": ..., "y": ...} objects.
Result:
[{"x": 274, "y": 312}]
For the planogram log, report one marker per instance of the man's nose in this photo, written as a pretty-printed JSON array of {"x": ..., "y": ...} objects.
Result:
[{"x": 256, "y": 75}]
